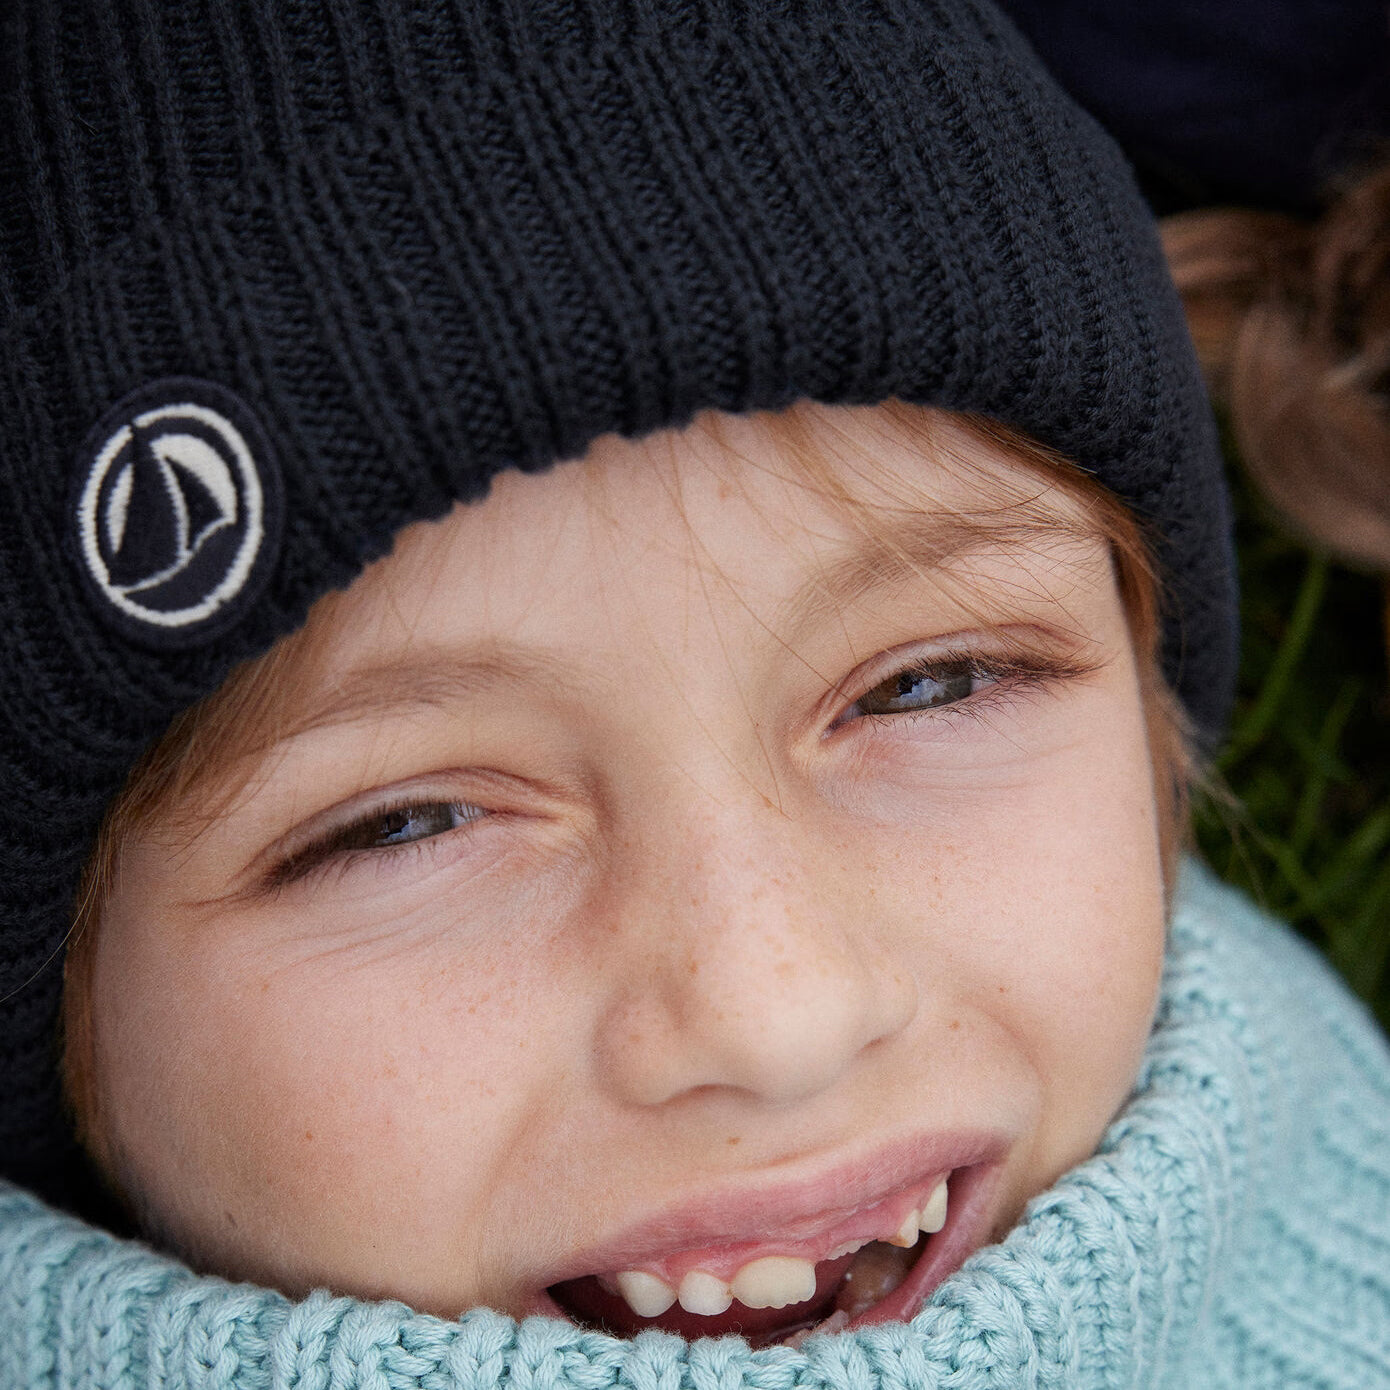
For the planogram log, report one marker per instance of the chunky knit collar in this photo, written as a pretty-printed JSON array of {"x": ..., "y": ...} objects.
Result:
[{"x": 1232, "y": 1230}]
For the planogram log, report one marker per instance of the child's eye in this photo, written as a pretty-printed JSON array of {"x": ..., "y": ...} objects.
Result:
[
  {"x": 951, "y": 678},
  {"x": 404, "y": 824},
  {"x": 393, "y": 828},
  {"x": 924, "y": 685}
]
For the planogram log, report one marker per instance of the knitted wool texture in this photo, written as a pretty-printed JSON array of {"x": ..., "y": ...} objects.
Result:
[
  {"x": 424, "y": 241},
  {"x": 1233, "y": 1230}
]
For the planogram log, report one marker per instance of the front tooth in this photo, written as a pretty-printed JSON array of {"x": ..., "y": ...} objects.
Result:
[
  {"x": 773, "y": 1282},
  {"x": 647, "y": 1296},
  {"x": 934, "y": 1213},
  {"x": 704, "y": 1294},
  {"x": 908, "y": 1231}
]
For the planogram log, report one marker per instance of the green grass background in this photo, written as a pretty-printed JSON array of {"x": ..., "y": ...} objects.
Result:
[{"x": 1299, "y": 811}]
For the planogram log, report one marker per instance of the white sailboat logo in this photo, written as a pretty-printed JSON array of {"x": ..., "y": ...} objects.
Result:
[{"x": 172, "y": 515}]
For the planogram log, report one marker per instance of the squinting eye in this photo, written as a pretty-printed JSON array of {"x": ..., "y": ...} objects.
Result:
[
  {"x": 404, "y": 825},
  {"x": 380, "y": 831},
  {"x": 924, "y": 686}
]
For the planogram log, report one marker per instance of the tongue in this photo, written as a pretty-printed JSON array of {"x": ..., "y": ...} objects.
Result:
[
  {"x": 877, "y": 1270},
  {"x": 588, "y": 1302}
]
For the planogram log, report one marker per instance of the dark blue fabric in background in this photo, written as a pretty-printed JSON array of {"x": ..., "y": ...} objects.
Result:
[{"x": 1253, "y": 101}]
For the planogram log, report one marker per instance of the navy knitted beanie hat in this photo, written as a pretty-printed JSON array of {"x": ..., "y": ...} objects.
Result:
[{"x": 278, "y": 277}]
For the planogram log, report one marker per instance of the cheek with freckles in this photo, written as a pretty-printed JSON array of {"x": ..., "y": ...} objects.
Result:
[
  {"x": 1042, "y": 912},
  {"x": 1074, "y": 984},
  {"x": 343, "y": 1101}
]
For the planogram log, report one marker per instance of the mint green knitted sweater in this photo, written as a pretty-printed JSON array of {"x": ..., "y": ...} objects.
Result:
[{"x": 1233, "y": 1230}]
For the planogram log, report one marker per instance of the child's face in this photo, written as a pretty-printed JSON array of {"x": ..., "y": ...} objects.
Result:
[{"x": 656, "y": 871}]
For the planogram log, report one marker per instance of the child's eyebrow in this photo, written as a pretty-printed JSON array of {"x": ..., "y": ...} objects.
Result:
[
  {"x": 913, "y": 544},
  {"x": 429, "y": 679}
]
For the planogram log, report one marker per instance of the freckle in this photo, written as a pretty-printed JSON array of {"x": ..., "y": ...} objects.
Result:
[
  {"x": 1003, "y": 989},
  {"x": 693, "y": 967},
  {"x": 265, "y": 986},
  {"x": 734, "y": 1139},
  {"x": 955, "y": 1023},
  {"x": 308, "y": 1134},
  {"x": 390, "y": 1071}
]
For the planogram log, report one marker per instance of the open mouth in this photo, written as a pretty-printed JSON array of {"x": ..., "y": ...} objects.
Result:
[{"x": 871, "y": 1266}]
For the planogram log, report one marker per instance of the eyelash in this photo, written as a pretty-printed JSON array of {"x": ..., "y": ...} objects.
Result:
[{"x": 1008, "y": 676}]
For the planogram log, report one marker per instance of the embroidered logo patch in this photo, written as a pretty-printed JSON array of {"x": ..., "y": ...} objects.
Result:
[{"x": 178, "y": 510}]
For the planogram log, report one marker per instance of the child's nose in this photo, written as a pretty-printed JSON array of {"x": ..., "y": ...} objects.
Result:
[{"x": 751, "y": 967}]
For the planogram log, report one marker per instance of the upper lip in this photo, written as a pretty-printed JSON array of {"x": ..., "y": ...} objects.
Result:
[{"x": 799, "y": 1208}]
